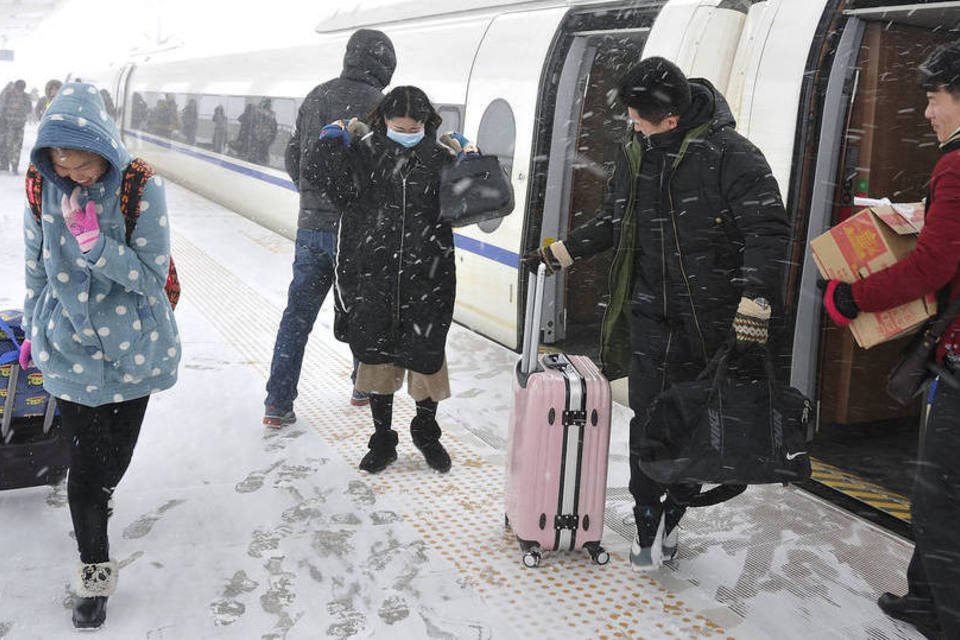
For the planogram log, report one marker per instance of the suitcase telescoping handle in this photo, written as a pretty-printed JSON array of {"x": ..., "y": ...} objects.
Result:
[{"x": 531, "y": 324}]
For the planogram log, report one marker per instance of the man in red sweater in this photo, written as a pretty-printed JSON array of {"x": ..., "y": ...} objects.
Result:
[{"x": 932, "y": 602}]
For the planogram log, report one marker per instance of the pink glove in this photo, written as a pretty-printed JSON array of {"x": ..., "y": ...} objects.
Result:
[
  {"x": 82, "y": 224},
  {"x": 24, "y": 358}
]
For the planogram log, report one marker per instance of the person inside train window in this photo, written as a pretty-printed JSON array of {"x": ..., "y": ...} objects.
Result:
[
  {"x": 164, "y": 118},
  {"x": 397, "y": 294},
  {"x": 189, "y": 120},
  {"x": 49, "y": 92},
  {"x": 700, "y": 233},
  {"x": 219, "y": 129},
  {"x": 15, "y": 109},
  {"x": 139, "y": 112},
  {"x": 932, "y": 602},
  {"x": 100, "y": 326},
  {"x": 368, "y": 65},
  {"x": 263, "y": 132},
  {"x": 242, "y": 147}
]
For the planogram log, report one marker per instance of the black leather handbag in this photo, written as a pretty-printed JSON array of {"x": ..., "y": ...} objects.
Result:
[
  {"x": 474, "y": 189},
  {"x": 916, "y": 366},
  {"x": 727, "y": 427}
]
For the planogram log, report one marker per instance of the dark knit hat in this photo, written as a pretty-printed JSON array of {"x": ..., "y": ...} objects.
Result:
[
  {"x": 656, "y": 88},
  {"x": 942, "y": 69}
]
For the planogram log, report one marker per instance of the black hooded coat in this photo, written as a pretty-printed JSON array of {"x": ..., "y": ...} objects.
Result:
[
  {"x": 706, "y": 225},
  {"x": 395, "y": 292},
  {"x": 368, "y": 66}
]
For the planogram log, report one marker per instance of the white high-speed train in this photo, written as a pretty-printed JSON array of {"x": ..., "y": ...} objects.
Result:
[{"x": 825, "y": 88}]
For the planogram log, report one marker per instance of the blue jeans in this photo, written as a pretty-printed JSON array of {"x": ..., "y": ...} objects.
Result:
[{"x": 313, "y": 274}]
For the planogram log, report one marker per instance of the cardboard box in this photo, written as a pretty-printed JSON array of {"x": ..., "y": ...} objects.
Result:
[{"x": 869, "y": 241}]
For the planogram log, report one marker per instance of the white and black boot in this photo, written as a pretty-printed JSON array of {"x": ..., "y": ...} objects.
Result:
[{"x": 98, "y": 581}]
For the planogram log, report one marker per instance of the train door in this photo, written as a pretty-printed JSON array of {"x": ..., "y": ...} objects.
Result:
[
  {"x": 578, "y": 149},
  {"x": 501, "y": 107},
  {"x": 875, "y": 142}
]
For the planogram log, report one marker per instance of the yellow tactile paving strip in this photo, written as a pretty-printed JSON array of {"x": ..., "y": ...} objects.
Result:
[
  {"x": 854, "y": 486},
  {"x": 459, "y": 516}
]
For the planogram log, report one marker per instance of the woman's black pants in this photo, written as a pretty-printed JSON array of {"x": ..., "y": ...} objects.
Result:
[{"x": 101, "y": 445}]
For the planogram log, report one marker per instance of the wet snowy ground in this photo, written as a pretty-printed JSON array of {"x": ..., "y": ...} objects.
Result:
[{"x": 227, "y": 530}]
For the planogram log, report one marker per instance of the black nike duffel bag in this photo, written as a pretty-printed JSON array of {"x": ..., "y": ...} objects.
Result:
[{"x": 728, "y": 427}]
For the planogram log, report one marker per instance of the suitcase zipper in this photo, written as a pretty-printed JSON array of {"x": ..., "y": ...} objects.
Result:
[{"x": 403, "y": 232}]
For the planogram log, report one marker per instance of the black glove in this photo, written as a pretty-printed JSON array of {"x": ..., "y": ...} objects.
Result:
[
  {"x": 532, "y": 259},
  {"x": 838, "y": 301}
]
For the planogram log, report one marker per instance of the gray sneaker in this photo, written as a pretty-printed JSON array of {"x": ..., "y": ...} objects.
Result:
[
  {"x": 359, "y": 398},
  {"x": 641, "y": 558},
  {"x": 276, "y": 418}
]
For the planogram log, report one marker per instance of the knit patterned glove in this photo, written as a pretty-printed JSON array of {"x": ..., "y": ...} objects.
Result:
[
  {"x": 751, "y": 321},
  {"x": 554, "y": 255},
  {"x": 82, "y": 223}
]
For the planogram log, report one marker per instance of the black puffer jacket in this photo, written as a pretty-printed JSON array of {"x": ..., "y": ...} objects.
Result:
[
  {"x": 397, "y": 285},
  {"x": 705, "y": 224},
  {"x": 368, "y": 66}
]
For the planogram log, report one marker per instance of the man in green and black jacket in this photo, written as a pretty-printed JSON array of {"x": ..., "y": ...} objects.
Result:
[{"x": 695, "y": 217}]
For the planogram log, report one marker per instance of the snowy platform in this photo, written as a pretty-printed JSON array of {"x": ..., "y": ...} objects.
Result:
[{"x": 225, "y": 529}]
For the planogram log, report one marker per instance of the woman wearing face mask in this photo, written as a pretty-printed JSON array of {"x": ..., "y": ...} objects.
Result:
[{"x": 396, "y": 279}]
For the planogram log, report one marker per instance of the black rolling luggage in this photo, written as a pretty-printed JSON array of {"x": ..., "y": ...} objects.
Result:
[{"x": 33, "y": 451}]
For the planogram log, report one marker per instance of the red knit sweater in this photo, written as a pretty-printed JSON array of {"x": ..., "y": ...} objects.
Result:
[{"x": 935, "y": 262}]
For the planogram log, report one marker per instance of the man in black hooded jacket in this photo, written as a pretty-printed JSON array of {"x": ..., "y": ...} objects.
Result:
[
  {"x": 368, "y": 66},
  {"x": 695, "y": 217}
]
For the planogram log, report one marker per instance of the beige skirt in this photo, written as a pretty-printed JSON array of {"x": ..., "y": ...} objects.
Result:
[{"x": 386, "y": 379}]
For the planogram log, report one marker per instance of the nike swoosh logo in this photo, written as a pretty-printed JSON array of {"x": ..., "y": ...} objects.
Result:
[{"x": 791, "y": 456}]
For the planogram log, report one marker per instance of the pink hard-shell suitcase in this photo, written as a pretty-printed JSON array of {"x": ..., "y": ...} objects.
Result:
[{"x": 556, "y": 485}]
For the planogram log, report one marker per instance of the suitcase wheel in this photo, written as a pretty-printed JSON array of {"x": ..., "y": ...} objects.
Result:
[
  {"x": 531, "y": 559},
  {"x": 597, "y": 553}
]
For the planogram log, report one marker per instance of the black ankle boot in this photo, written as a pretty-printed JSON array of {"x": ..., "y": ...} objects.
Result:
[
  {"x": 98, "y": 581},
  {"x": 383, "y": 451},
  {"x": 425, "y": 433},
  {"x": 89, "y": 613},
  {"x": 914, "y": 610}
]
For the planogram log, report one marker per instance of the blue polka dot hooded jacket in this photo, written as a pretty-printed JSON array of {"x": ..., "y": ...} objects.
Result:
[{"x": 100, "y": 325}]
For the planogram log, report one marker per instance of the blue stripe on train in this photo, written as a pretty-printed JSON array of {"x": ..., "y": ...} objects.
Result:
[{"x": 479, "y": 247}]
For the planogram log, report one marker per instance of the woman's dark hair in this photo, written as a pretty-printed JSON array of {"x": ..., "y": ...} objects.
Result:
[
  {"x": 942, "y": 69},
  {"x": 405, "y": 102}
]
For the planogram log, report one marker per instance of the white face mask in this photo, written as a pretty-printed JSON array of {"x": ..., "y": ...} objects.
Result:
[{"x": 406, "y": 139}]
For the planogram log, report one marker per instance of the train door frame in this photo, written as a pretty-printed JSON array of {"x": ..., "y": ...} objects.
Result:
[
  {"x": 565, "y": 69},
  {"x": 813, "y": 187},
  {"x": 838, "y": 96},
  {"x": 501, "y": 75},
  {"x": 556, "y": 203}
]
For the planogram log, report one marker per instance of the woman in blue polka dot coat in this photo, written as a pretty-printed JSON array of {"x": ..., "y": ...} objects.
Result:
[{"x": 100, "y": 326}]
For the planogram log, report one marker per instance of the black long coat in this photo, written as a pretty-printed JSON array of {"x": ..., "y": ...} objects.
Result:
[
  {"x": 707, "y": 226},
  {"x": 396, "y": 276}
]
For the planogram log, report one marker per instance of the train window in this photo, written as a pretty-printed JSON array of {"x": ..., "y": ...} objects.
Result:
[
  {"x": 451, "y": 118},
  {"x": 497, "y": 136},
  {"x": 252, "y": 128}
]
